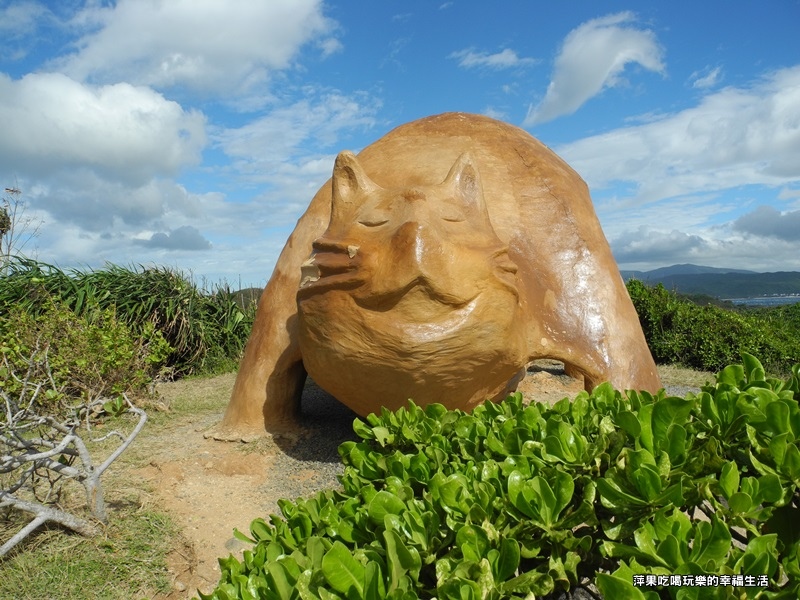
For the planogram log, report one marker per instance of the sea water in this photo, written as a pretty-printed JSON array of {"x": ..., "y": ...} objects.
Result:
[{"x": 766, "y": 300}]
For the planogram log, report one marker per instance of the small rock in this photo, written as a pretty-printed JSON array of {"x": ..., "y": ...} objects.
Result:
[{"x": 235, "y": 545}]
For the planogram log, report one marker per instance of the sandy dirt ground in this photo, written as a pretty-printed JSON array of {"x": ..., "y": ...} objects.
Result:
[{"x": 211, "y": 487}]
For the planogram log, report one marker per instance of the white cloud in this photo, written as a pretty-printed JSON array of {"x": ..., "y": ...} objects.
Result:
[
  {"x": 766, "y": 221},
  {"x": 98, "y": 205},
  {"x": 19, "y": 22},
  {"x": 649, "y": 247},
  {"x": 291, "y": 150},
  {"x": 736, "y": 136},
  {"x": 219, "y": 47},
  {"x": 591, "y": 59},
  {"x": 19, "y": 19},
  {"x": 330, "y": 46},
  {"x": 494, "y": 113},
  {"x": 689, "y": 213},
  {"x": 182, "y": 238},
  {"x": 89, "y": 221},
  {"x": 280, "y": 135},
  {"x": 505, "y": 59},
  {"x": 707, "y": 78},
  {"x": 789, "y": 194},
  {"x": 119, "y": 131}
]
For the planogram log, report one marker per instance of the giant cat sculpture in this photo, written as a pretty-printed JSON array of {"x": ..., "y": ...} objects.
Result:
[{"x": 436, "y": 265}]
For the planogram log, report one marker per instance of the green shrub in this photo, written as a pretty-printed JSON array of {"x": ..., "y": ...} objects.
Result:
[
  {"x": 86, "y": 356},
  {"x": 205, "y": 331},
  {"x": 516, "y": 501},
  {"x": 710, "y": 337}
]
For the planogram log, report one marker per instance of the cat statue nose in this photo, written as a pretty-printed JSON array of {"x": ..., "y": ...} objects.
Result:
[
  {"x": 409, "y": 242},
  {"x": 418, "y": 252}
]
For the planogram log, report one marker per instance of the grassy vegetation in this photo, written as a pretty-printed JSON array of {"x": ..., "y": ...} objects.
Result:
[
  {"x": 206, "y": 332},
  {"x": 84, "y": 334},
  {"x": 127, "y": 561},
  {"x": 124, "y": 326},
  {"x": 709, "y": 337}
]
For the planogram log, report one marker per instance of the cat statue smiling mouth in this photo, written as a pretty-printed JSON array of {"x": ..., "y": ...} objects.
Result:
[{"x": 436, "y": 265}]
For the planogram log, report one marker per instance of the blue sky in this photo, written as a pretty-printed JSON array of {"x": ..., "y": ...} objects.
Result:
[{"x": 193, "y": 133}]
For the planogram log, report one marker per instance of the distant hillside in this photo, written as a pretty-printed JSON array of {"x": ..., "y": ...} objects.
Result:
[
  {"x": 685, "y": 269},
  {"x": 247, "y": 296},
  {"x": 720, "y": 283}
]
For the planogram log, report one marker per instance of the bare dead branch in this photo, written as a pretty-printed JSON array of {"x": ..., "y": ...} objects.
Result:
[
  {"x": 42, "y": 514},
  {"x": 36, "y": 447}
]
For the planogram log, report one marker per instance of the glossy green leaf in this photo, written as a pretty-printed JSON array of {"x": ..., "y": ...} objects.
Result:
[
  {"x": 676, "y": 443},
  {"x": 453, "y": 492},
  {"x": 791, "y": 464},
  {"x": 505, "y": 561},
  {"x": 531, "y": 582},
  {"x": 544, "y": 499},
  {"x": 242, "y": 537},
  {"x": 645, "y": 416},
  {"x": 473, "y": 541},
  {"x": 672, "y": 550},
  {"x": 384, "y": 503},
  {"x": 740, "y": 503},
  {"x": 778, "y": 446},
  {"x": 374, "y": 586},
  {"x": 401, "y": 559},
  {"x": 729, "y": 479},
  {"x": 666, "y": 413},
  {"x": 712, "y": 542},
  {"x": 342, "y": 571},
  {"x": 613, "y": 496},
  {"x": 629, "y": 422},
  {"x": 519, "y": 494},
  {"x": 753, "y": 370},
  {"x": 316, "y": 548},
  {"x": 383, "y": 436},
  {"x": 732, "y": 375},
  {"x": 362, "y": 430},
  {"x": 769, "y": 488},
  {"x": 260, "y": 530},
  {"x": 459, "y": 589},
  {"x": 618, "y": 589},
  {"x": 759, "y": 557},
  {"x": 563, "y": 489},
  {"x": 280, "y": 581}
]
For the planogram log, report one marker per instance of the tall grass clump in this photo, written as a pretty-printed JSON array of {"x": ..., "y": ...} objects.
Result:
[{"x": 206, "y": 332}]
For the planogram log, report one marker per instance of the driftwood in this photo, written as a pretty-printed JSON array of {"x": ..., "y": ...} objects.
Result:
[{"x": 36, "y": 447}]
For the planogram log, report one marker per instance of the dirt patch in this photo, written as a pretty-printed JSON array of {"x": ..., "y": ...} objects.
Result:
[{"x": 211, "y": 487}]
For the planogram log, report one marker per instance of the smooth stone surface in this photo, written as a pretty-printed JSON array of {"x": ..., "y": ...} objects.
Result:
[{"x": 436, "y": 265}]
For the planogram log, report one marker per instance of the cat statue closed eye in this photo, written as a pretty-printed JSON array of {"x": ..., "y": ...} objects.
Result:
[{"x": 436, "y": 265}]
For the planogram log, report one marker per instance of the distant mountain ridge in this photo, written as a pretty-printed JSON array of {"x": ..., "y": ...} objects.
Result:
[
  {"x": 719, "y": 282},
  {"x": 684, "y": 269}
]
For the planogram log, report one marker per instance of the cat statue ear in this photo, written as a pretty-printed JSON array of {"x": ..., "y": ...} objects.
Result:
[
  {"x": 465, "y": 182},
  {"x": 349, "y": 182}
]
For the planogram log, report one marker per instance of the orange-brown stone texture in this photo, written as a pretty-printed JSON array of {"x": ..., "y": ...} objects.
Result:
[{"x": 436, "y": 265}]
